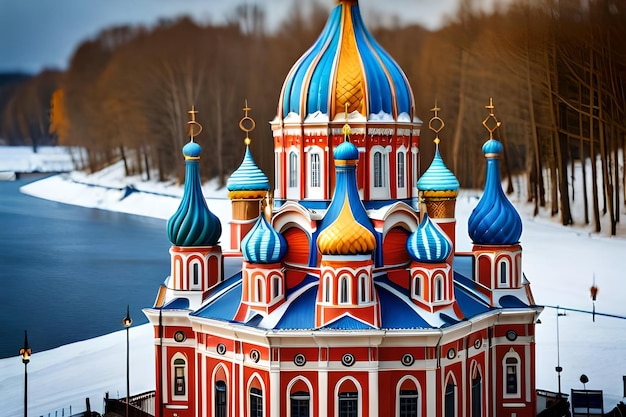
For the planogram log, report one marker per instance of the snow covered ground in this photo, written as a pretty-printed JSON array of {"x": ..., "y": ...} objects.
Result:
[{"x": 560, "y": 263}]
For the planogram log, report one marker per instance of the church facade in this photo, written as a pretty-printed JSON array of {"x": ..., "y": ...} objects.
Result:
[{"x": 346, "y": 297}]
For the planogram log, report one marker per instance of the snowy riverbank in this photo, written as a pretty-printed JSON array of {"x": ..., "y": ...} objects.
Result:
[{"x": 560, "y": 263}]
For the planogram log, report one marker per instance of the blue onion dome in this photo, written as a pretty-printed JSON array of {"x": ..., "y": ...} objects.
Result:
[
  {"x": 346, "y": 228},
  {"x": 438, "y": 177},
  {"x": 346, "y": 65},
  {"x": 248, "y": 181},
  {"x": 193, "y": 224},
  {"x": 428, "y": 243},
  {"x": 494, "y": 220},
  {"x": 263, "y": 244}
]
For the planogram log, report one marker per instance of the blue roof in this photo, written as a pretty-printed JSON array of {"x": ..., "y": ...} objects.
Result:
[
  {"x": 177, "y": 304},
  {"x": 311, "y": 85},
  {"x": 494, "y": 221},
  {"x": 299, "y": 313},
  {"x": 511, "y": 301},
  {"x": 223, "y": 307},
  {"x": 248, "y": 177},
  {"x": 438, "y": 177},
  {"x": 397, "y": 314},
  {"x": 347, "y": 323},
  {"x": 469, "y": 304}
]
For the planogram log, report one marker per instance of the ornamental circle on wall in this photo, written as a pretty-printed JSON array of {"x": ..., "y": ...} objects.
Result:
[
  {"x": 477, "y": 343},
  {"x": 511, "y": 335},
  {"x": 347, "y": 359},
  {"x": 255, "y": 355},
  {"x": 221, "y": 348},
  {"x": 407, "y": 359},
  {"x": 180, "y": 336},
  {"x": 299, "y": 359},
  {"x": 451, "y": 353}
]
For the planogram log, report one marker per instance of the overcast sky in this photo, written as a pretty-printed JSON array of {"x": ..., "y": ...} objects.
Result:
[{"x": 37, "y": 34}]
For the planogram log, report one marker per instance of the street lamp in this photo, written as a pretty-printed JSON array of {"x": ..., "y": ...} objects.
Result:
[
  {"x": 558, "y": 368},
  {"x": 25, "y": 352},
  {"x": 127, "y": 321}
]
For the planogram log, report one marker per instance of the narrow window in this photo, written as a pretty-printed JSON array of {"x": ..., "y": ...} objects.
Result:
[
  {"x": 276, "y": 290},
  {"x": 300, "y": 404},
  {"x": 477, "y": 388},
  {"x": 260, "y": 294},
  {"x": 315, "y": 170},
  {"x": 256, "y": 402},
  {"x": 179, "y": 377},
  {"x": 512, "y": 371},
  {"x": 438, "y": 289},
  {"x": 378, "y": 170},
  {"x": 220, "y": 399},
  {"x": 450, "y": 400},
  {"x": 504, "y": 278},
  {"x": 293, "y": 170},
  {"x": 408, "y": 403},
  {"x": 196, "y": 274},
  {"x": 400, "y": 172},
  {"x": 348, "y": 404},
  {"x": 327, "y": 289},
  {"x": 417, "y": 287},
  {"x": 364, "y": 289},
  {"x": 344, "y": 296}
]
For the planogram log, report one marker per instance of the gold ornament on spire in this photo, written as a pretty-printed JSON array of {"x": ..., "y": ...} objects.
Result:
[
  {"x": 194, "y": 128},
  {"x": 249, "y": 126},
  {"x": 495, "y": 123},
  {"x": 346, "y": 128},
  {"x": 436, "y": 123}
]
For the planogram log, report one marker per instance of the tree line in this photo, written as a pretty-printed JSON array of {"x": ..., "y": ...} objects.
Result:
[{"x": 556, "y": 70}]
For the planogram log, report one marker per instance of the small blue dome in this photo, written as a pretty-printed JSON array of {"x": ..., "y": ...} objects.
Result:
[
  {"x": 428, "y": 243},
  {"x": 494, "y": 220},
  {"x": 192, "y": 150},
  {"x": 193, "y": 224},
  {"x": 346, "y": 151},
  {"x": 438, "y": 177},
  {"x": 248, "y": 177},
  {"x": 492, "y": 146},
  {"x": 262, "y": 244}
]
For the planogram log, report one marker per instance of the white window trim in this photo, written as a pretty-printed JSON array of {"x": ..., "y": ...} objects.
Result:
[
  {"x": 380, "y": 192},
  {"x": 293, "y": 192},
  {"x": 276, "y": 283},
  {"x": 359, "y": 391},
  {"x": 419, "y": 394},
  {"x": 414, "y": 169},
  {"x": 263, "y": 393},
  {"x": 401, "y": 192},
  {"x": 507, "y": 281},
  {"x": 311, "y": 191},
  {"x": 347, "y": 279},
  {"x": 420, "y": 278},
  {"x": 176, "y": 397},
  {"x": 192, "y": 285},
  {"x": 364, "y": 286},
  {"x": 439, "y": 280},
  {"x": 214, "y": 381},
  {"x": 288, "y": 396},
  {"x": 518, "y": 370},
  {"x": 328, "y": 289},
  {"x": 278, "y": 172},
  {"x": 451, "y": 378}
]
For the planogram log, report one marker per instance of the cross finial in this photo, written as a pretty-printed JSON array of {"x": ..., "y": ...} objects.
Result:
[
  {"x": 346, "y": 127},
  {"x": 242, "y": 123},
  {"x": 194, "y": 127},
  {"x": 436, "y": 123},
  {"x": 491, "y": 116}
]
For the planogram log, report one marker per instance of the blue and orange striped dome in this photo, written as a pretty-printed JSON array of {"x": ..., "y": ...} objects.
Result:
[
  {"x": 247, "y": 180},
  {"x": 327, "y": 76},
  {"x": 428, "y": 243}
]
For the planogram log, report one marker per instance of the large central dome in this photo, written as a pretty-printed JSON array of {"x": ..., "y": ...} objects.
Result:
[{"x": 346, "y": 66}]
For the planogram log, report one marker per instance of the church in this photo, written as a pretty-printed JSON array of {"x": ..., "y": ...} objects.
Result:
[{"x": 340, "y": 291}]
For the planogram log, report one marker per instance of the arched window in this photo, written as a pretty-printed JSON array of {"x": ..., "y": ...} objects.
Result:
[
  {"x": 277, "y": 169},
  {"x": 503, "y": 269},
  {"x": 417, "y": 286},
  {"x": 256, "y": 402},
  {"x": 348, "y": 404},
  {"x": 477, "y": 392},
  {"x": 450, "y": 399},
  {"x": 259, "y": 293},
  {"x": 364, "y": 289},
  {"x": 220, "y": 399},
  {"x": 327, "y": 289},
  {"x": 195, "y": 274},
  {"x": 276, "y": 286},
  {"x": 344, "y": 291},
  {"x": 511, "y": 375},
  {"x": 299, "y": 404},
  {"x": 379, "y": 170},
  {"x": 414, "y": 167},
  {"x": 400, "y": 170},
  {"x": 179, "y": 376},
  {"x": 293, "y": 169},
  {"x": 438, "y": 288},
  {"x": 407, "y": 402}
]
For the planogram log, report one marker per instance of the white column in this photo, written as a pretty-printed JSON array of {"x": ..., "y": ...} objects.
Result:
[
  {"x": 432, "y": 393},
  {"x": 372, "y": 392},
  {"x": 322, "y": 388},
  {"x": 275, "y": 404}
]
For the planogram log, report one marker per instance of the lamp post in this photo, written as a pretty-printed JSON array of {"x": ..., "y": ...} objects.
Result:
[
  {"x": 558, "y": 368},
  {"x": 25, "y": 352},
  {"x": 127, "y": 321}
]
